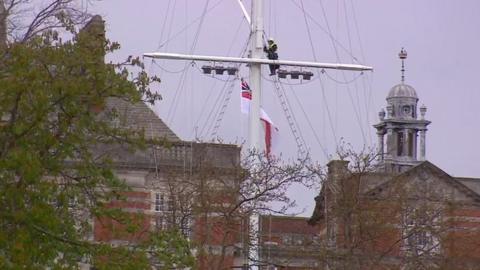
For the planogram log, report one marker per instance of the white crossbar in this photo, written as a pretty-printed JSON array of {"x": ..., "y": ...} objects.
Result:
[{"x": 176, "y": 56}]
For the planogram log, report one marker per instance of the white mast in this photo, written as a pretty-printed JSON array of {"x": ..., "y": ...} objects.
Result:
[
  {"x": 255, "y": 62},
  {"x": 256, "y": 51}
]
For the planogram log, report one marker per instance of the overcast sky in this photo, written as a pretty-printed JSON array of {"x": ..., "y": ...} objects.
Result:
[{"x": 442, "y": 39}]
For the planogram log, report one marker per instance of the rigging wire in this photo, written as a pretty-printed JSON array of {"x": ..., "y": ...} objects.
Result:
[
  {"x": 347, "y": 24},
  {"x": 200, "y": 24},
  {"x": 218, "y": 79},
  {"x": 336, "y": 73},
  {"x": 169, "y": 29},
  {"x": 366, "y": 89},
  {"x": 332, "y": 38},
  {"x": 211, "y": 113},
  {"x": 324, "y": 150},
  {"x": 204, "y": 107},
  {"x": 324, "y": 97},
  {"x": 181, "y": 85},
  {"x": 223, "y": 108},
  {"x": 189, "y": 25},
  {"x": 178, "y": 91},
  {"x": 355, "y": 109},
  {"x": 164, "y": 23},
  {"x": 355, "y": 21},
  {"x": 270, "y": 16},
  {"x": 215, "y": 109},
  {"x": 291, "y": 119},
  {"x": 154, "y": 62},
  {"x": 354, "y": 79},
  {"x": 237, "y": 31}
]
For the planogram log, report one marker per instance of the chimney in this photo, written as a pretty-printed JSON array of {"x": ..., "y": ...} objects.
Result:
[
  {"x": 94, "y": 33},
  {"x": 92, "y": 38},
  {"x": 337, "y": 169}
]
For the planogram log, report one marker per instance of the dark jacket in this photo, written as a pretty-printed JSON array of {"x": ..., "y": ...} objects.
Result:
[{"x": 271, "y": 51}]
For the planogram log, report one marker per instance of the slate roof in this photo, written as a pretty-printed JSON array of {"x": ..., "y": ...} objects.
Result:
[
  {"x": 141, "y": 117},
  {"x": 472, "y": 183},
  {"x": 175, "y": 152}
]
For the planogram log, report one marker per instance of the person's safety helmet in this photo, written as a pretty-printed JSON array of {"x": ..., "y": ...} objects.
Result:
[{"x": 270, "y": 40}]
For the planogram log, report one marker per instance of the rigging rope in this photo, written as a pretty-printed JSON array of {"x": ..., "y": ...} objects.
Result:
[
  {"x": 167, "y": 70},
  {"x": 357, "y": 114},
  {"x": 367, "y": 91},
  {"x": 164, "y": 23},
  {"x": 323, "y": 29},
  {"x": 324, "y": 150},
  {"x": 241, "y": 54},
  {"x": 212, "y": 111},
  {"x": 223, "y": 108},
  {"x": 342, "y": 82},
  {"x": 324, "y": 97},
  {"x": 292, "y": 122},
  {"x": 189, "y": 25},
  {"x": 347, "y": 24},
  {"x": 181, "y": 85}
]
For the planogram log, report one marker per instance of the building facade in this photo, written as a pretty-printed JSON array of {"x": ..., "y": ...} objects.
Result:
[
  {"x": 400, "y": 212},
  {"x": 288, "y": 243},
  {"x": 172, "y": 184},
  {"x": 182, "y": 185}
]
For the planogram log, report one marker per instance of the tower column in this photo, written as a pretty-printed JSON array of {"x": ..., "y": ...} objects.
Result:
[
  {"x": 388, "y": 143},
  {"x": 415, "y": 145},
  {"x": 422, "y": 144},
  {"x": 380, "y": 145},
  {"x": 405, "y": 142}
]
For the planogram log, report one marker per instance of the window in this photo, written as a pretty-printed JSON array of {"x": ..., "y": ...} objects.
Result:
[
  {"x": 160, "y": 223},
  {"x": 287, "y": 239},
  {"x": 159, "y": 203},
  {"x": 419, "y": 231},
  {"x": 72, "y": 202},
  {"x": 331, "y": 233}
]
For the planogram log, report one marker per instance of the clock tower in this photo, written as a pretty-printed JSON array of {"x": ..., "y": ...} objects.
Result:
[{"x": 401, "y": 131}]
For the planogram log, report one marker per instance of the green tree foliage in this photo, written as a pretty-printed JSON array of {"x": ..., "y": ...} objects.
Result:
[{"x": 53, "y": 180}]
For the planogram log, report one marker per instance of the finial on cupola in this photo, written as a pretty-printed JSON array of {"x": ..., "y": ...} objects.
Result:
[{"x": 403, "y": 55}]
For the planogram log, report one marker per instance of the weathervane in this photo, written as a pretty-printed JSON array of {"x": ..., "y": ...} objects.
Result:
[{"x": 403, "y": 55}]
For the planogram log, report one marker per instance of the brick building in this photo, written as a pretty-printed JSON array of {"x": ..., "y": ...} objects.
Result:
[
  {"x": 403, "y": 212},
  {"x": 183, "y": 185},
  {"x": 288, "y": 243}
]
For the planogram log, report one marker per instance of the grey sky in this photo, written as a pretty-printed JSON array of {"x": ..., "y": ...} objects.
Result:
[{"x": 442, "y": 39}]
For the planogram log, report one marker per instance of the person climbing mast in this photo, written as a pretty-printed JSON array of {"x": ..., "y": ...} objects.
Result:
[{"x": 271, "y": 51}]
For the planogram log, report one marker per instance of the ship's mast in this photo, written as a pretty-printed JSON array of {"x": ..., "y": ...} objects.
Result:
[
  {"x": 255, "y": 61},
  {"x": 256, "y": 51}
]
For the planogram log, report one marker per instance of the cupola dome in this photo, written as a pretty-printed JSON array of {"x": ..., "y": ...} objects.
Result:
[{"x": 402, "y": 91}]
